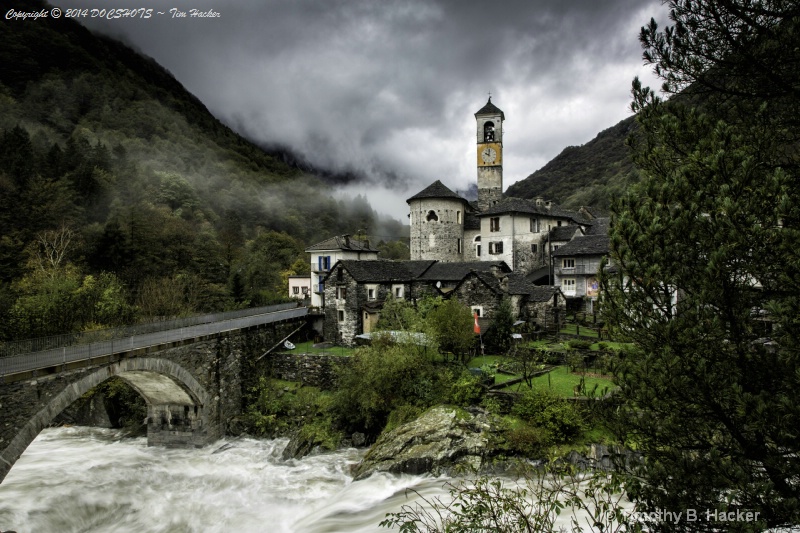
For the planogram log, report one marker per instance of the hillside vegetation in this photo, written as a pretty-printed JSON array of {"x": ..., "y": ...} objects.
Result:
[
  {"x": 122, "y": 198},
  {"x": 591, "y": 175}
]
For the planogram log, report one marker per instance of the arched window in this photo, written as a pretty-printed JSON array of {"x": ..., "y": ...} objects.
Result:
[
  {"x": 432, "y": 216},
  {"x": 488, "y": 131}
]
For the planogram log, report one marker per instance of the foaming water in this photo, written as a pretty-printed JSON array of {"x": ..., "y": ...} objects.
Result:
[{"x": 82, "y": 479}]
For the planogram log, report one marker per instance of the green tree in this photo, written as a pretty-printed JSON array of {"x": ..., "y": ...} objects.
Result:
[
  {"x": 498, "y": 335},
  {"x": 452, "y": 325},
  {"x": 708, "y": 274}
]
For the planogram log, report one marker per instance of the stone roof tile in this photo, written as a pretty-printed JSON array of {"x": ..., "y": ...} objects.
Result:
[
  {"x": 437, "y": 189},
  {"x": 585, "y": 245}
]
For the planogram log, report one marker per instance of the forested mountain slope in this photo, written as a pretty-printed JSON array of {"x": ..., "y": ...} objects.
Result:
[
  {"x": 591, "y": 175},
  {"x": 122, "y": 197}
]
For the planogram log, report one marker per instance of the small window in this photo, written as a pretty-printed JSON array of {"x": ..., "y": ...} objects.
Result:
[
  {"x": 341, "y": 293},
  {"x": 341, "y": 315},
  {"x": 478, "y": 251},
  {"x": 559, "y": 223},
  {"x": 397, "y": 290},
  {"x": 534, "y": 248},
  {"x": 305, "y": 290},
  {"x": 371, "y": 294},
  {"x": 568, "y": 284},
  {"x": 477, "y": 310},
  {"x": 432, "y": 217},
  {"x": 534, "y": 225},
  {"x": 556, "y": 247},
  {"x": 295, "y": 290},
  {"x": 339, "y": 274},
  {"x": 458, "y": 246},
  {"x": 496, "y": 247},
  {"x": 458, "y": 217},
  {"x": 567, "y": 263},
  {"x": 494, "y": 224}
]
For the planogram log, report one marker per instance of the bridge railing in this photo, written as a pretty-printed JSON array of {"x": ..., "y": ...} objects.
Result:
[
  {"x": 70, "y": 354},
  {"x": 42, "y": 344}
]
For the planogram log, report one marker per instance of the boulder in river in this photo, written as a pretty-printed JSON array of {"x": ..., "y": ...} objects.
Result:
[{"x": 443, "y": 440}]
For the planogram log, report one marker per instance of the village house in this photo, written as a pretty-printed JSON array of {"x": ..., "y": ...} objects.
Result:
[
  {"x": 576, "y": 265},
  {"x": 299, "y": 287},
  {"x": 324, "y": 254}
]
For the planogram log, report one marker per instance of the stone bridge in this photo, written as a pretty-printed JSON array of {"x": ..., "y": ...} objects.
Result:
[{"x": 191, "y": 378}]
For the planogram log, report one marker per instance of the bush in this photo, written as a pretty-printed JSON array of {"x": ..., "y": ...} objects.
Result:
[
  {"x": 529, "y": 441},
  {"x": 562, "y": 420},
  {"x": 467, "y": 390},
  {"x": 271, "y": 410},
  {"x": 576, "y": 361},
  {"x": 380, "y": 379},
  {"x": 401, "y": 415},
  {"x": 579, "y": 344}
]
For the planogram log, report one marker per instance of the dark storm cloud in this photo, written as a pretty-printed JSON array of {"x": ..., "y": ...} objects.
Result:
[{"x": 389, "y": 88}]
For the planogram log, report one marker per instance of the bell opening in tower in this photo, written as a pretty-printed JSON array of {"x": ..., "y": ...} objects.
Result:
[{"x": 488, "y": 131}]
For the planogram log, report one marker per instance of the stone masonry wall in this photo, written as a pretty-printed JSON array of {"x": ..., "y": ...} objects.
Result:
[
  {"x": 437, "y": 239},
  {"x": 318, "y": 370}
]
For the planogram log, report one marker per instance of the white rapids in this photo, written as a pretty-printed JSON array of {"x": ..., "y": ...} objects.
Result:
[{"x": 82, "y": 479}]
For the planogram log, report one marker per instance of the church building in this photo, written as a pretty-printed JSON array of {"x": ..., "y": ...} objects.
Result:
[{"x": 446, "y": 227}]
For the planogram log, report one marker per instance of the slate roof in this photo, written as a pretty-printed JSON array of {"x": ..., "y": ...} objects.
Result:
[
  {"x": 585, "y": 245},
  {"x": 563, "y": 233},
  {"x": 437, "y": 189},
  {"x": 490, "y": 109},
  {"x": 599, "y": 226},
  {"x": 383, "y": 270},
  {"x": 521, "y": 205},
  {"x": 458, "y": 270},
  {"x": 542, "y": 293},
  {"x": 471, "y": 221},
  {"x": 342, "y": 242}
]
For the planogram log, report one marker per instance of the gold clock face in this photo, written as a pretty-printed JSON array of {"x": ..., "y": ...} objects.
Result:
[{"x": 489, "y": 155}]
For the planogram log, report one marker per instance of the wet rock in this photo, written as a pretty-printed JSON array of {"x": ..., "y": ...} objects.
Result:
[
  {"x": 358, "y": 439},
  {"x": 443, "y": 440}
]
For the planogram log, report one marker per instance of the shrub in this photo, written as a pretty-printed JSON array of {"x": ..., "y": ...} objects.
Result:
[
  {"x": 401, "y": 415},
  {"x": 561, "y": 419},
  {"x": 579, "y": 344},
  {"x": 381, "y": 378},
  {"x": 530, "y": 441},
  {"x": 467, "y": 390}
]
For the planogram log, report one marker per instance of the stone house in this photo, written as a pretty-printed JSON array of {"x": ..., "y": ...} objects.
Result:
[
  {"x": 355, "y": 290},
  {"x": 575, "y": 266},
  {"x": 326, "y": 253},
  {"x": 483, "y": 292}
]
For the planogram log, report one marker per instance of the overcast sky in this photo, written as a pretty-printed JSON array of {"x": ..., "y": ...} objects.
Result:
[{"x": 390, "y": 88}]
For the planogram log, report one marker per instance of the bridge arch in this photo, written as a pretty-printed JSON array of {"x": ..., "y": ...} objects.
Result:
[{"x": 176, "y": 405}]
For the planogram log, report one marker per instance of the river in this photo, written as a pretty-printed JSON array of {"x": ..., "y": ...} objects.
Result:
[{"x": 81, "y": 479}]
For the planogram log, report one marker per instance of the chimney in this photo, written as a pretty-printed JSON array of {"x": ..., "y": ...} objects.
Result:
[
  {"x": 504, "y": 284},
  {"x": 539, "y": 200},
  {"x": 548, "y": 204},
  {"x": 346, "y": 238}
]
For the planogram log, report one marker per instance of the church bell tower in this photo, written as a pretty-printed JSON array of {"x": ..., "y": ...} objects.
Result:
[{"x": 490, "y": 155}]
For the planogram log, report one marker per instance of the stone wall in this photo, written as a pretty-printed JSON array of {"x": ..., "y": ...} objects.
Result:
[
  {"x": 318, "y": 370},
  {"x": 437, "y": 239}
]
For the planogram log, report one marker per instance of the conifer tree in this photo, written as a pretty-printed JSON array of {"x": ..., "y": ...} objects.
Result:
[{"x": 706, "y": 276}]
